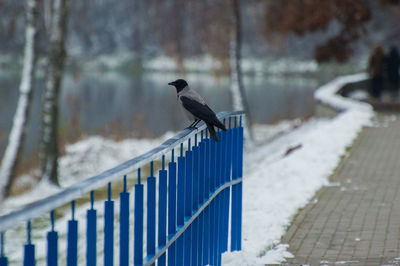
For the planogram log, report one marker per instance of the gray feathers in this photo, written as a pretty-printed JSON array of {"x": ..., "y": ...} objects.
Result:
[{"x": 196, "y": 109}]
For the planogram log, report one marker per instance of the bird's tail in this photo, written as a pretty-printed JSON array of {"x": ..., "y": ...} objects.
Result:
[
  {"x": 212, "y": 132},
  {"x": 218, "y": 124}
]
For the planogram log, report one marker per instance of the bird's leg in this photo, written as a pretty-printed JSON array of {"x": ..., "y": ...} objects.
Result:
[
  {"x": 193, "y": 125},
  {"x": 196, "y": 122}
]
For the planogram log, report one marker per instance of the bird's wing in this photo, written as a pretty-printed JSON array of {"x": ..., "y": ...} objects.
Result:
[{"x": 201, "y": 111}]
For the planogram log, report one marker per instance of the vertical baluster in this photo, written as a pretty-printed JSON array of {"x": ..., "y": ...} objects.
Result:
[
  {"x": 228, "y": 159},
  {"x": 213, "y": 216},
  {"x": 202, "y": 170},
  {"x": 240, "y": 185},
  {"x": 195, "y": 175},
  {"x": 211, "y": 206},
  {"x": 52, "y": 243},
  {"x": 212, "y": 165},
  {"x": 72, "y": 239},
  {"x": 220, "y": 159},
  {"x": 171, "y": 207},
  {"x": 188, "y": 205},
  {"x": 29, "y": 248},
  {"x": 219, "y": 197},
  {"x": 218, "y": 213},
  {"x": 124, "y": 226},
  {"x": 223, "y": 155},
  {"x": 3, "y": 258},
  {"x": 201, "y": 230},
  {"x": 162, "y": 211},
  {"x": 206, "y": 225},
  {"x": 138, "y": 229},
  {"x": 180, "y": 206},
  {"x": 109, "y": 229},
  {"x": 235, "y": 190},
  {"x": 223, "y": 193},
  {"x": 91, "y": 233},
  {"x": 151, "y": 213},
  {"x": 195, "y": 201}
]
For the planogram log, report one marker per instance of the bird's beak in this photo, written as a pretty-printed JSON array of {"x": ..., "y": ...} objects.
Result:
[{"x": 171, "y": 83}]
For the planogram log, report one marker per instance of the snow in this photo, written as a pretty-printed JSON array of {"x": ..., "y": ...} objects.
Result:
[{"x": 276, "y": 186}]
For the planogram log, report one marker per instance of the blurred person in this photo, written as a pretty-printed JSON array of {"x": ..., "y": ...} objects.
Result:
[
  {"x": 392, "y": 70},
  {"x": 376, "y": 70}
]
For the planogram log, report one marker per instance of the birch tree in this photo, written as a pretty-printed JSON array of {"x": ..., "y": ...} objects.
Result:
[
  {"x": 238, "y": 94},
  {"x": 13, "y": 151},
  {"x": 49, "y": 125}
]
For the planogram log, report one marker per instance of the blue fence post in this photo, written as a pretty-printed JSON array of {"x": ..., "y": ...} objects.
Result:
[
  {"x": 234, "y": 207},
  {"x": 171, "y": 208},
  {"x": 209, "y": 214},
  {"x": 91, "y": 233},
  {"x": 151, "y": 213},
  {"x": 124, "y": 227},
  {"x": 109, "y": 229},
  {"x": 240, "y": 172},
  {"x": 218, "y": 213},
  {"x": 72, "y": 239},
  {"x": 237, "y": 189},
  {"x": 162, "y": 211},
  {"x": 29, "y": 248},
  {"x": 52, "y": 243},
  {"x": 180, "y": 215},
  {"x": 3, "y": 258},
  {"x": 188, "y": 206},
  {"x": 200, "y": 200},
  {"x": 138, "y": 229},
  {"x": 226, "y": 193},
  {"x": 213, "y": 210},
  {"x": 195, "y": 201}
]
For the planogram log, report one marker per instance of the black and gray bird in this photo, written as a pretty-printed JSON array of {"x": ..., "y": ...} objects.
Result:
[{"x": 195, "y": 108}]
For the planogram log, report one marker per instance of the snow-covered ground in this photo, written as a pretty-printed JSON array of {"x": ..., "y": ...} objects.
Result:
[
  {"x": 276, "y": 186},
  {"x": 276, "y": 182}
]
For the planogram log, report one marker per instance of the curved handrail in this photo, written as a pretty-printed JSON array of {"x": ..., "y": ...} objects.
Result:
[{"x": 52, "y": 202}]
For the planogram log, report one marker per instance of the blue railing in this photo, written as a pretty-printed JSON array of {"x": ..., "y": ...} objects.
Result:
[{"x": 192, "y": 209}]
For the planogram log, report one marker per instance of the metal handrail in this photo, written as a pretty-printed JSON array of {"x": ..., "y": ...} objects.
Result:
[{"x": 50, "y": 203}]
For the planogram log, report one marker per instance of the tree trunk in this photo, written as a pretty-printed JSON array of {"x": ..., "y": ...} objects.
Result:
[
  {"x": 16, "y": 139},
  {"x": 239, "y": 98},
  {"x": 49, "y": 126}
]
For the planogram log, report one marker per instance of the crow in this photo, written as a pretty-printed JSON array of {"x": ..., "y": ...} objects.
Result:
[{"x": 195, "y": 108}]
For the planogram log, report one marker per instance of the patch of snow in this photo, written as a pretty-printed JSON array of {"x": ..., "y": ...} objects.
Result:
[
  {"x": 275, "y": 187},
  {"x": 359, "y": 95}
]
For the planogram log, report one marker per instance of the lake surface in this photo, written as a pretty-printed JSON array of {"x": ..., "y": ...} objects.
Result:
[{"x": 119, "y": 106}]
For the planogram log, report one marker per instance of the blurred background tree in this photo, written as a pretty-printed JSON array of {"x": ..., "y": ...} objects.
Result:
[
  {"x": 49, "y": 148},
  {"x": 13, "y": 152},
  {"x": 300, "y": 17}
]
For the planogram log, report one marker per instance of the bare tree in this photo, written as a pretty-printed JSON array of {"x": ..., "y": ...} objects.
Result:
[
  {"x": 238, "y": 94},
  {"x": 49, "y": 126},
  {"x": 16, "y": 139}
]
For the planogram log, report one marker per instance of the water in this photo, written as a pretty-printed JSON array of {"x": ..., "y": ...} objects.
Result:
[{"x": 119, "y": 106}]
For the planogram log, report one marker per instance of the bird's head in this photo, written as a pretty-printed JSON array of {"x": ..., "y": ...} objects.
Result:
[{"x": 179, "y": 84}]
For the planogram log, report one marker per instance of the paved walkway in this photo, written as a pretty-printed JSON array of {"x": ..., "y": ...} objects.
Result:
[{"x": 356, "y": 220}]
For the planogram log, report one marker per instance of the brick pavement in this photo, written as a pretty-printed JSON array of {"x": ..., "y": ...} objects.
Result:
[{"x": 355, "y": 220}]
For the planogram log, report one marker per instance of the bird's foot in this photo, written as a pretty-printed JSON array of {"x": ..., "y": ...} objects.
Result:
[{"x": 191, "y": 127}]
